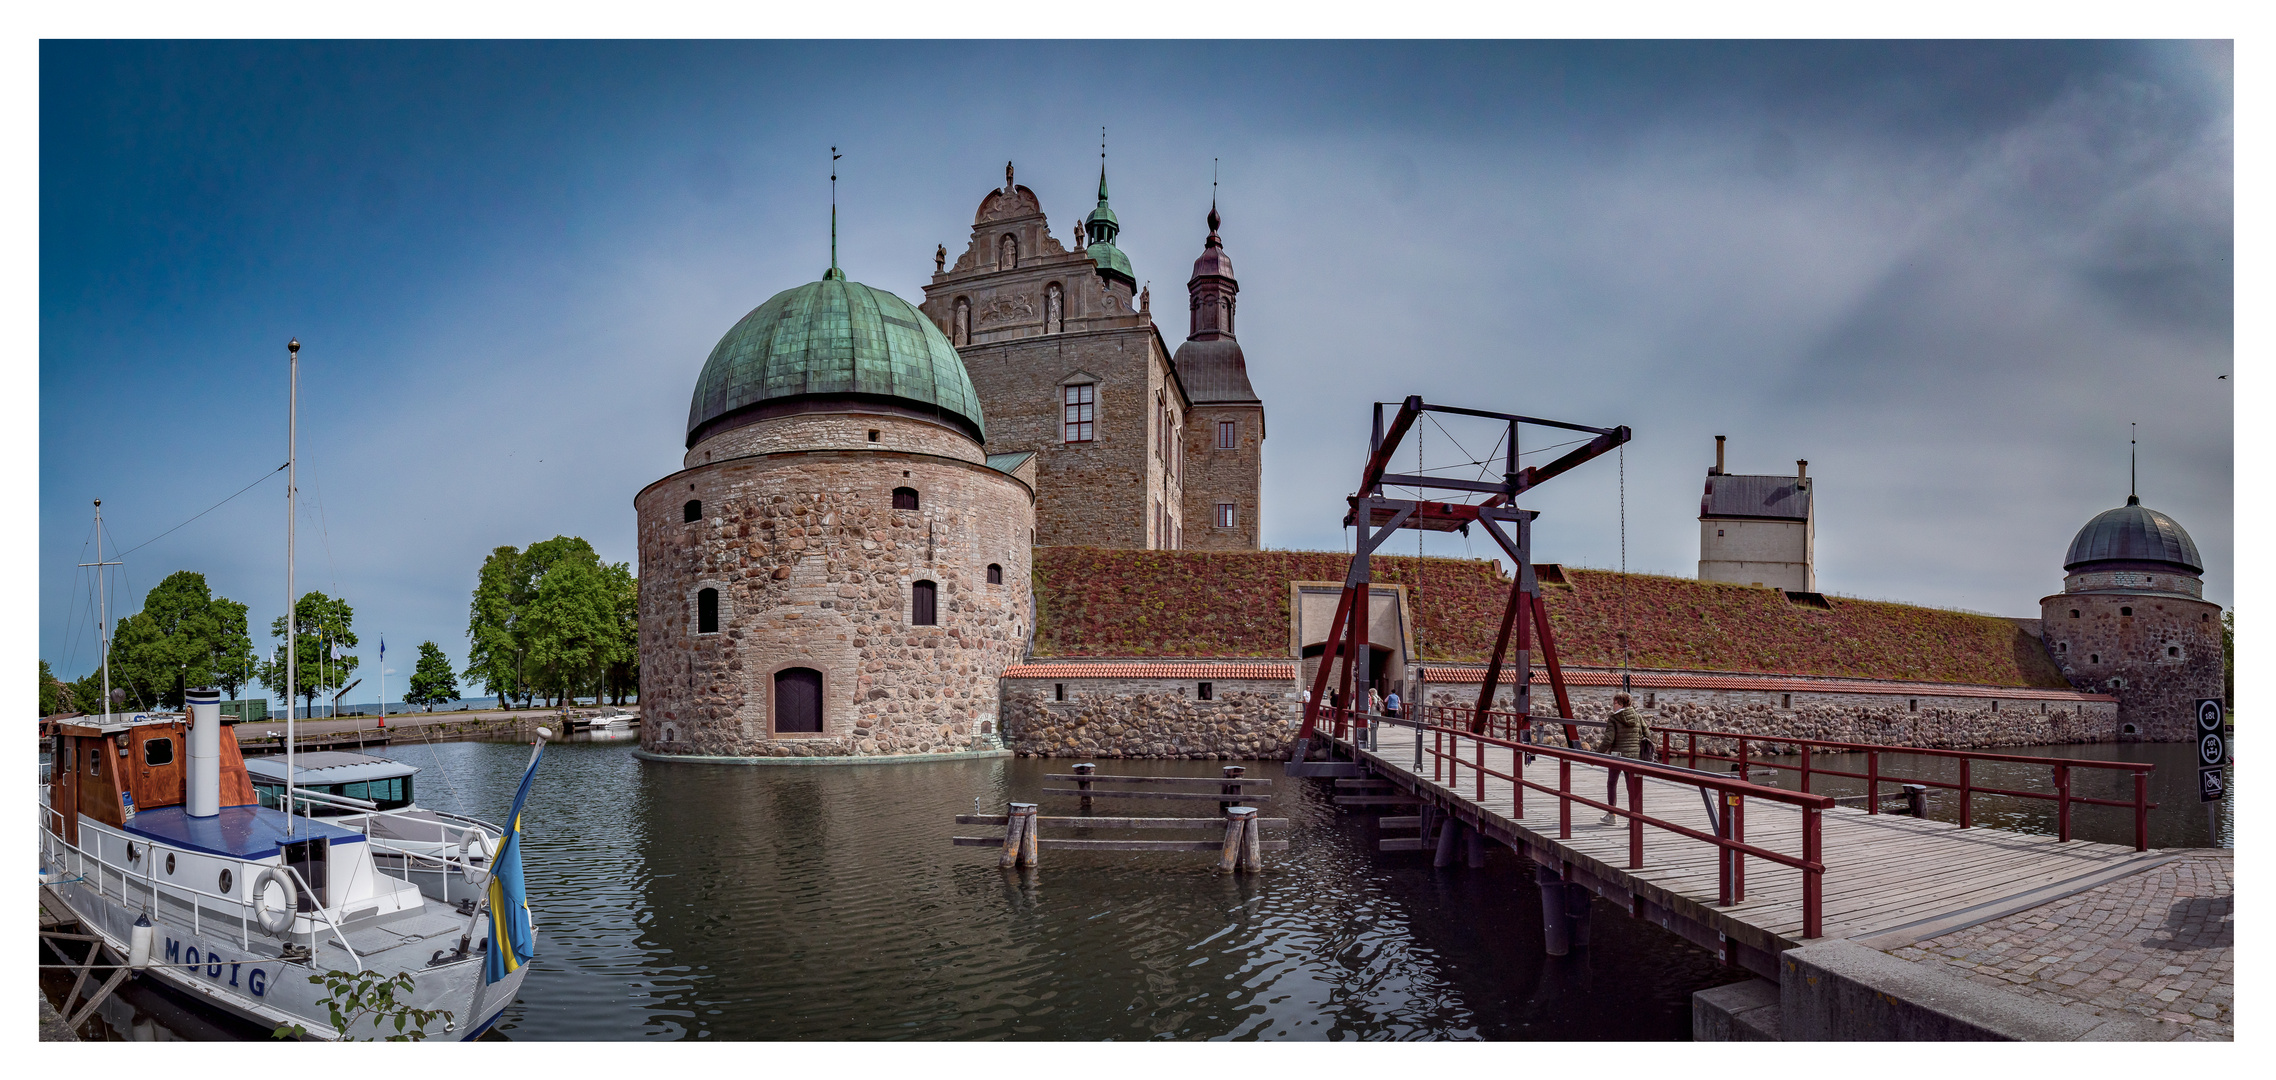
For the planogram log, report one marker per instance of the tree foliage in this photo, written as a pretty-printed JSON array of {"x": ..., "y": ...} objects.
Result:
[
  {"x": 55, "y": 694},
  {"x": 183, "y": 636},
  {"x": 552, "y": 619},
  {"x": 323, "y": 622},
  {"x": 432, "y": 682},
  {"x": 350, "y": 996}
]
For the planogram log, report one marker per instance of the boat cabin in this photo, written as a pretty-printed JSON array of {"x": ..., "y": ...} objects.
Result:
[
  {"x": 336, "y": 773},
  {"x": 118, "y": 765}
]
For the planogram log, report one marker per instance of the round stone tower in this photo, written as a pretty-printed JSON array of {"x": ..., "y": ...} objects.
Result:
[
  {"x": 839, "y": 570},
  {"x": 2132, "y": 620}
]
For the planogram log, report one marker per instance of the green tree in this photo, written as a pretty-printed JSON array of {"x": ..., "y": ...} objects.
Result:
[
  {"x": 623, "y": 674},
  {"x": 233, "y": 662},
  {"x": 570, "y": 628},
  {"x": 494, "y": 648},
  {"x": 55, "y": 694},
  {"x": 87, "y": 694},
  {"x": 324, "y": 622},
  {"x": 431, "y": 681},
  {"x": 172, "y": 642},
  {"x": 550, "y": 619}
]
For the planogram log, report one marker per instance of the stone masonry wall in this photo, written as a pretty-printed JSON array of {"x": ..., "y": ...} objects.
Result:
[
  {"x": 814, "y": 568},
  {"x": 1946, "y": 722},
  {"x": 835, "y": 431},
  {"x": 2159, "y": 653},
  {"x": 1215, "y": 476},
  {"x": 1150, "y": 718}
]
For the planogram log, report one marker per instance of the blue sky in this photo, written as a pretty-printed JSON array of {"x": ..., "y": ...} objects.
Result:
[{"x": 1948, "y": 274}]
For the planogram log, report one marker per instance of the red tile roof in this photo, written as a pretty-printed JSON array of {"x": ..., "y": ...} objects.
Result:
[{"x": 1145, "y": 669}]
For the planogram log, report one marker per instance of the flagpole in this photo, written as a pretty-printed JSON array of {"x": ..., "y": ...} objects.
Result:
[{"x": 292, "y": 612}]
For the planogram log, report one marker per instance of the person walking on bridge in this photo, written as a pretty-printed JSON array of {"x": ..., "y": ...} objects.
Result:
[{"x": 1625, "y": 734}]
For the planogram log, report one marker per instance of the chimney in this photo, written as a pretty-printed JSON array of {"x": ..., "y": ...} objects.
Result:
[
  {"x": 1802, "y": 473},
  {"x": 1718, "y": 470},
  {"x": 205, "y": 752}
]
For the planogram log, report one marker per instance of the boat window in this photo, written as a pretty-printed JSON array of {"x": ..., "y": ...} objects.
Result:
[
  {"x": 95, "y": 762},
  {"x": 270, "y": 795},
  {"x": 158, "y": 751}
]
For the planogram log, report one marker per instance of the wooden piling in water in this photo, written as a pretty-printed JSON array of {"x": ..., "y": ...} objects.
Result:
[
  {"x": 1083, "y": 783},
  {"x": 1236, "y": 836},
  {"x": 1252, "y": 848},
  {"x": 1016, "y": 828},
  {"x": 1027, "y": 839}
]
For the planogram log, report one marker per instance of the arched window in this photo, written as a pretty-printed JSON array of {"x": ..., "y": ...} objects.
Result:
[
  {"x": 707, "y": 611},
  {"x": 798, "y": 701},
  {"x": 2094, "y": 658},
  {"x": 2125, "y": 611},
  {"x": 693, "y": 511},
  {"x": 904, "y": 498},
  {"x": 995, "y": 574},
  {"x": 2074, "y": 613},
  {"x": 924, "y": 604}
]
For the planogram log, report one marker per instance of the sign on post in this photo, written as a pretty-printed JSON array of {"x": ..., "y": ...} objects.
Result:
[{"x": 2212, "y": 751}]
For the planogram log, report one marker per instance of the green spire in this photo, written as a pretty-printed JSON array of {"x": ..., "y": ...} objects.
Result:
[
  {"x": 1102, "y": 224},
  {"x": 833, "y": 273}
]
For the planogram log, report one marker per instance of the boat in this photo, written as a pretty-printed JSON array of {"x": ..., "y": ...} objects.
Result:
[
  {"x": 613, "y": 720},
  {"x": 377, "y": 797},
  {"x": 156, "y": 840}
]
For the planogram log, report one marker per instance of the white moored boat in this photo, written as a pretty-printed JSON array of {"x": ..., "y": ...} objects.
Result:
[{"x": 155, "y": 821}]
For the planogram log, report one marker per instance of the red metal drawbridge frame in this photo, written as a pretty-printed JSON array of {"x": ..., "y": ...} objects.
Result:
[{"x": 1377, "y": 518}]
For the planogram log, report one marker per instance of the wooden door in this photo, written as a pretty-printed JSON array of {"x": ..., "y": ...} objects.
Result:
[
  {"x": 156, "y": 760},
  {"x": 798, "y": 700}
]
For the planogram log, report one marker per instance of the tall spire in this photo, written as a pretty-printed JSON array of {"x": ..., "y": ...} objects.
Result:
[
  {"x": 1212, "y": 289},
  {"x": 1102, "y": 224},
  {"x": 833, "y": 273},
  {"x": 2133, "y": 464}
]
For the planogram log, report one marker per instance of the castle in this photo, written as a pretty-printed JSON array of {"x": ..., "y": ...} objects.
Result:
[{"x": 1009, "y": 519}]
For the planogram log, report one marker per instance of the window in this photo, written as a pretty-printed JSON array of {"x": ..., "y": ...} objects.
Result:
[
  {"x": 1785, "y": 701},
  {"x": 1912, "y": 704},
  {"x": 693, "y": 511},
  {"x": 2074, "y": 613},
  {"x": 1208, "y": 691},
  {"x": 161, "y": 751},
  {"x": 1227, "y": 515},
  {"x": 873, "y": 434},
  {"x": 924, "y": 598},
  {"x": 1228, "y": 435},
  {"x": 2125, "y": 611},
  {"x": 707, "y": 611},
  {"x": 2172, "y": 651},
  {"x": 2094, "y": 658},
  {"x": 1058, "y": 691},
  {"x": 1651, "y": 700},
  {"x": 798, "y": 701},
  {"x": 995, "y": 574},
  {"x": 1081, "y": 411},
  {"x": 1995, "y": 705},
  {"x": 2063, "y": 646},
  {"x": 904, "y": 498},
  {"x": 1718, "y": 532}
]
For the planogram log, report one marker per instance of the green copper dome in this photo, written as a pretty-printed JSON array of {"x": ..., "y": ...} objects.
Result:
[{"x": 832, "y": 339}]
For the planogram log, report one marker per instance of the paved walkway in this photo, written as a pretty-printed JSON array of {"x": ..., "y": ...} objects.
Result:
[{"x": 2159, "y": 944}]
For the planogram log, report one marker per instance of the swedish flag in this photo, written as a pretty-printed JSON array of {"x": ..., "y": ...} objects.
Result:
[{"x": 511, "y": 944}]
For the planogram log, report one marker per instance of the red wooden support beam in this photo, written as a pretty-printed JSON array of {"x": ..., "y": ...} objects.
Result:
[
  {"x": 1556, "y": 673},
  {"x": 1331, "y": 646},
  {"x": 1501, "y": 645}
]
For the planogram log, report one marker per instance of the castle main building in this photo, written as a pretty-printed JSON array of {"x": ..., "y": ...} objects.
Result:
[{"x": 842, "y": 566}]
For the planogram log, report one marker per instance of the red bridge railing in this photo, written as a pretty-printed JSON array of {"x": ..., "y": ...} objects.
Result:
[
  {"x": 1453, "y": 748},
  {"x": 1736, "y": 749}
]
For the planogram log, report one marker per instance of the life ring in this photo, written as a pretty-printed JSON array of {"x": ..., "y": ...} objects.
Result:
[
  {"x": 277, "y": 922},
  {"x": 474, "y": 838}
]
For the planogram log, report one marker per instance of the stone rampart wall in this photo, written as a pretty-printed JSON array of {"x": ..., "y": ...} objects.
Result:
[{"x": 1150, "y": 718}]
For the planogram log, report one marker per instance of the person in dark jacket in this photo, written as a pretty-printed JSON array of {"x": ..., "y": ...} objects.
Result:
[{"x": 1624, "y": 734}]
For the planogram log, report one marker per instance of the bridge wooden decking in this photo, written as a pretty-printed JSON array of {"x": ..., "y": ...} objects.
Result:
[{"x": 1889, "y": 879}]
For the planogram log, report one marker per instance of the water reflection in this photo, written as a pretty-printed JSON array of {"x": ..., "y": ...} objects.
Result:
[{"x": 685, "y": 901}]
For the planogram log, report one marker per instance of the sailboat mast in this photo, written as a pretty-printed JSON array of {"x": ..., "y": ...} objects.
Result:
[
  {"x": 292, "y": 622},
  {"x": 103, "y": 604}
]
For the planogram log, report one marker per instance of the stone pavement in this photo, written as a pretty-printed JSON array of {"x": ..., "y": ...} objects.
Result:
[{"x": 2159, "y": 944}]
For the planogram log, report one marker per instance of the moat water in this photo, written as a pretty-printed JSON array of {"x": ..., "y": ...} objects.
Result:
[{"x": 717, "y": 902}]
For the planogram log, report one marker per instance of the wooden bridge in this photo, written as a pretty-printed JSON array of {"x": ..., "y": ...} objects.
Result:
[{"x": 1742, "y": 869}]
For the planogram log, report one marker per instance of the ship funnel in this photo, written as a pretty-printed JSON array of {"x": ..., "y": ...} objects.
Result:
[{"x": 205, "y": 751}]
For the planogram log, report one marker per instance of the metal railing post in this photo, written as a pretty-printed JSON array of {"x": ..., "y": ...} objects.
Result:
[
  {"x": 1872, "y": 781},
  {"x": 1723, "y": 853},
  {"x": 1481, "y": 772},
  {"x": 2062, "y": 804},
  {"x": 1693, "y": 739},
  {"x": 1813, "y": 875},
  {"x": 1564, "y": 798},
  {"x": 1636, "y": 822},
  {"x": 1738, "y": 812},
  {"x": 1804, "y": 750},
  {"x": 2141, "y": 810},
  {"x": 1966, "y": 814}
]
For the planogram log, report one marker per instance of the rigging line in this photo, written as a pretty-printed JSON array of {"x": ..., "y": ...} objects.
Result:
[{"x": 204, "y": 512}]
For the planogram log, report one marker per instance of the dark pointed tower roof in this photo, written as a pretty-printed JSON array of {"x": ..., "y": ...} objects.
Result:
[
  {"x": 1102, "y": 226},
  {"x": 1210, "y": 363}
]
